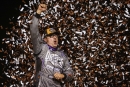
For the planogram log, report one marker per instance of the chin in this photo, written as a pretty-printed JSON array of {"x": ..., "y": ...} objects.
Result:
[{"x": 54, "y": 46}]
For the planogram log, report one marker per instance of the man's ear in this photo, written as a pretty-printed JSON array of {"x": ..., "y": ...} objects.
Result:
[{"x": 45, "y": 39}]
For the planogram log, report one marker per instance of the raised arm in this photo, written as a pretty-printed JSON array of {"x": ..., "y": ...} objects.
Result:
[{"x": 35, "y": 35}]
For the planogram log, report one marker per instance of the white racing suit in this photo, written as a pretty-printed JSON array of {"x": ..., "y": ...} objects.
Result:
[{"x": 48, "y": 60}]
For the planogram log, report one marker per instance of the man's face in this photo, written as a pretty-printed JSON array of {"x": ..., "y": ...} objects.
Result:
[{"x": 52, "y": 40}]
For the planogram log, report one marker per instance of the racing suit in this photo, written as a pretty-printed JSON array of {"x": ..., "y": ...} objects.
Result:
[{"x": 49, "y": 60}]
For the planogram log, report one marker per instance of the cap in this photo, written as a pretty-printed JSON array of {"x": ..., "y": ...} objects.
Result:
[{"x": 50, "y": 31}]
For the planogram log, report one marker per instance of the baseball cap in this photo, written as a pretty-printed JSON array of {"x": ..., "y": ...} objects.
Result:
[{"x": 50, "y": 31}]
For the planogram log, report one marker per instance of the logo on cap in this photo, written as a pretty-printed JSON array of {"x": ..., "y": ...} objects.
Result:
[{"x": 50, "y": 30}]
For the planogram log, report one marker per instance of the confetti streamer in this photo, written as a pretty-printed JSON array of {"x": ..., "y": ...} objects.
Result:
[{"x": 95, "y": 34}]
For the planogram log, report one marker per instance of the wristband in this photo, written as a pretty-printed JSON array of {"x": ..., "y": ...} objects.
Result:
[
  {"x": 64, "y": 76},
  {"x": 37, "y": 15}
]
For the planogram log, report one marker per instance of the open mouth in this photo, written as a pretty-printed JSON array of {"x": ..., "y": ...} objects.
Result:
[{"x": 55, "y": 42}]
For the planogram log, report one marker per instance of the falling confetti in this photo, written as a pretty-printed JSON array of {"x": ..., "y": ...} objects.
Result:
[{"x": 94, "y": 34}]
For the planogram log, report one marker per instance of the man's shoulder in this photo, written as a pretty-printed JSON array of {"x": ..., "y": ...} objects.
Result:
[
  {"x": 44, "y": 46},
  {"x": 63, "y": 53},
  {"x": 60, "y": 50}
]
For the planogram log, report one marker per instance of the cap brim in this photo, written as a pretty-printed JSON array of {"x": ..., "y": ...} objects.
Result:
[{"x": 57, "y": 33}]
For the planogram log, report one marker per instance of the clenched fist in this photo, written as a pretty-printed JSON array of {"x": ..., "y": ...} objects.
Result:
[
  {"x": 58, "y": 76},
  {"x": 41, "y": 8}
]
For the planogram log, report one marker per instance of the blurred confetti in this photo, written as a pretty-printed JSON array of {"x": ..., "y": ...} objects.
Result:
[{"x": 95, "y": 35}]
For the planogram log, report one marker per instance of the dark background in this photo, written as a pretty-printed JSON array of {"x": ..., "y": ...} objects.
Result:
[{"x": 9, "y": 11}]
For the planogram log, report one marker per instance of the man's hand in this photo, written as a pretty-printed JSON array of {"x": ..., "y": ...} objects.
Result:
[
  {"x": 59, "y": 76},
  {"x": 41, "y": 8}
]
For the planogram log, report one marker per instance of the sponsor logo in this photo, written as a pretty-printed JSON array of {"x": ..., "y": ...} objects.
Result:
[{"x": 54, "y": 59}]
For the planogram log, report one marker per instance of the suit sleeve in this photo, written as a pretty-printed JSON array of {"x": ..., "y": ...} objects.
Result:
[{"x": 35, "y": 35}]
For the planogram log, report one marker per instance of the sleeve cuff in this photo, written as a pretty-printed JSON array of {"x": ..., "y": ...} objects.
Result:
[
  {"x": 37, "y": 15},
  {"x": 64, "y": 76}
]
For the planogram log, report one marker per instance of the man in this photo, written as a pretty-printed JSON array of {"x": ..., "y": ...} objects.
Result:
[{"x": 52, "y": 65}]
